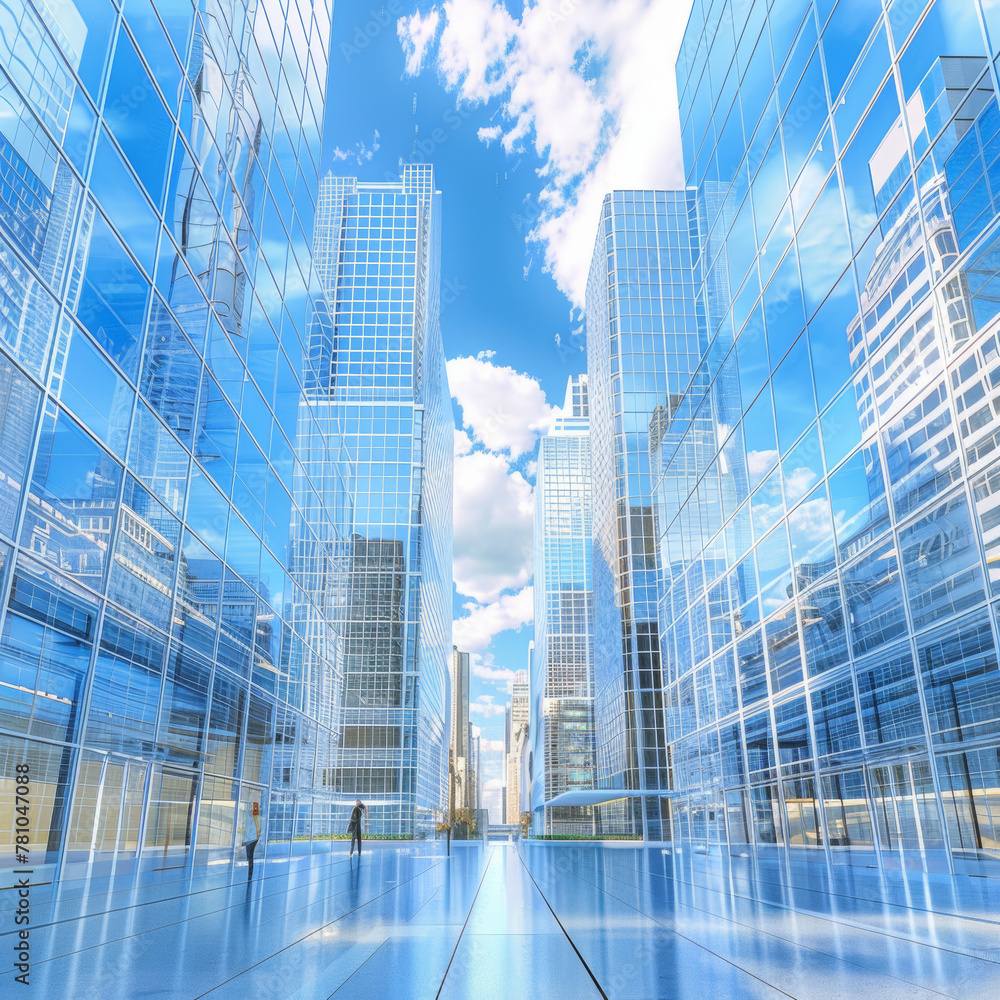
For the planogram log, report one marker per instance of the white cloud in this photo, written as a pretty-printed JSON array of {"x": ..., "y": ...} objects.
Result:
[
  {"x": 416, "y": 33},
  {"x": 484, "y": 705},
  {"x": 494, "y": 514},
  {"x": 360, "y": 152},
  {"x": 476, "y": 631},
  {"x": 463, "y": 443},
  {"x": 798, "y": 483},
  {"x": 504, "y": 409},
  {"x": 760, "y": 462},
  {"x": 495, "y": 746},
  {"x": 590, "y": 86},
  {"x": 483, "y": 666},
  {"x": 487, "y": 135}
]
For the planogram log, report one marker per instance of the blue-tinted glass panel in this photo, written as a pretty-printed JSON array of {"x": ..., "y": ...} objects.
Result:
[
  {"x": 890, "y": 705},
  {"x": 824, "y": 629},
  {"x": 42, "y": 674},
  {"x": 835, "y": 722},
  {"x": 137, "y": 119},
  {"x": 113, "y": 297},
  {"x": 94, "y": 391},
  {"x": 875, "y": 598},
  {"x": 142, "y": 575},
  {"x": 72, "y": 501},
  {"x": 126, "y": 692},
  {"x": 958, "y": 664},
  {"x": 18, "y": 416}
]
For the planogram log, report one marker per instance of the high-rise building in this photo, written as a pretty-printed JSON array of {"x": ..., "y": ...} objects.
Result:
[
  {"x": 170, "y": 642},
  {"x": 520, "y": 709},
  {"x": 475, "y": 769},
  {"x": 460, "y": 680},
  {"x": 517, "y": 715},
  {"x": 378, "y": 361},
  {"x": 643, "y": 345},
  {"x": 826, "y": 484},
  {"x": 562, "y": 662}
]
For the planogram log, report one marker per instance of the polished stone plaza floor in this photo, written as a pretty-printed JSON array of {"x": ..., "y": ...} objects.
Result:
[{"x": 537, "y": 921}]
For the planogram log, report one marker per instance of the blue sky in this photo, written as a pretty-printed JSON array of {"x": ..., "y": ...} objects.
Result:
[{"x": 529, "y": 115}]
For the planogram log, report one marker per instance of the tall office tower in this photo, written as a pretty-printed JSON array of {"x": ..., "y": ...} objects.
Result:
[
  {"x": 475, "y": 769},
  {"x": 506, "y": 754},
  {"x": 169, "y": 642},
  {"x": 827, "y": 495},
  {"x": 562, "y": 663},
  {"x": 642, "y": 347},
  {"x": 379, "y": 360},
  {"x": 460, "y": 680}
]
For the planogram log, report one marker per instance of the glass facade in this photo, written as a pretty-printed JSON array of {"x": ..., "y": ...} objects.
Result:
[
  {"x": 643, "y": 344},
  {"x": 179, "y": 502},
  {"x": 826, "y": 481},
  {"x": 561, "y": 727},
  {"x": 380, "y": 369}
]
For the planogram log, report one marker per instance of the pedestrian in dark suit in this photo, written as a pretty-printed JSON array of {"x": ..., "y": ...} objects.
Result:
[{"x": 359, "y": 814}]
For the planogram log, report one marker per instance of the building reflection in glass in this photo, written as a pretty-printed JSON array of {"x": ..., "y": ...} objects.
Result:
[{"x": 844, "y": 697}]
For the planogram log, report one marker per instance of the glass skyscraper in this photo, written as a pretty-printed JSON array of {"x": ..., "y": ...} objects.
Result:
[
  {"x": 379, "y": 365},
  {"x": 643, "y": 343},
  {"x": 561, "y": 727},
  {"x": 181, "y": 566},
  {"x": 826, "y": 483}
]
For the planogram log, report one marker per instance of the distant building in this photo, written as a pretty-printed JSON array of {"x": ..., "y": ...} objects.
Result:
[
  {"x": 562, "y": 653},
  {"x": 460, "y": 728},
  {"x": 517, "y": 726}
]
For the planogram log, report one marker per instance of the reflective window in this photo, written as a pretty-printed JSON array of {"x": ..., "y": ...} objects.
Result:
[
  {"x": 113, "y": 297},
  {"x": 91, "y": 388},
  {"x": 791, "y": 385},
  {"x": 126, "y": 691},
  {"x": 145, "y": 556},
  {"x": 874, "y": 597},
  {"x": 42, "y": 673},
  {"x": 890, "y": 705},
  {"x": 941, "y": 562},
  {"x": 185, "y": 706},
  {"x": 835, "y": 720},
  {"x": 958, "y": 663},
  {"x": 72, "y": 501},
  {"x": 18, "y": 415},
  {"x": 845, "y": 805},
  {"x": 824, "y": 629},
  {"x": 136, "y": 116},
  {"x": 226, "y": 724}
]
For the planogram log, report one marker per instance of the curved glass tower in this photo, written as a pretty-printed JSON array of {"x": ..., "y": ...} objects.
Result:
[
  {"x": 175, "y": 508},
  {"x": 826, "y": 483},
  {"x": 380, "y": 370}
]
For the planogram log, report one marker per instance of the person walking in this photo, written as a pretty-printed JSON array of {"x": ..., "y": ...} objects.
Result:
[
  {"x": 359, "y": 814},
  {"x": 251, "y": 827}
]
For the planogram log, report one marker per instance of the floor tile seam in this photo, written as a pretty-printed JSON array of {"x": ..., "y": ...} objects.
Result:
[
  {"x": 314, "y": 931},
  {"x": 263, "y": 863},
  {"x": 424, "y": 903},
  {"x": 794, "y": 946},
  {"x": 277, "y": 916},
  {"x": 965, "y": 953},
  {"x": 163, "y": 899},
  {"x": 199, "y": 892},
  {"x": 838, "y": 920},
  {"x": 472, "y": 906},
  {"x": 555, "y": 916},
  {"x": 795, "y": 886},
  {"x": 951, "y": 914},
  {"x": 355, "y": 971}
]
